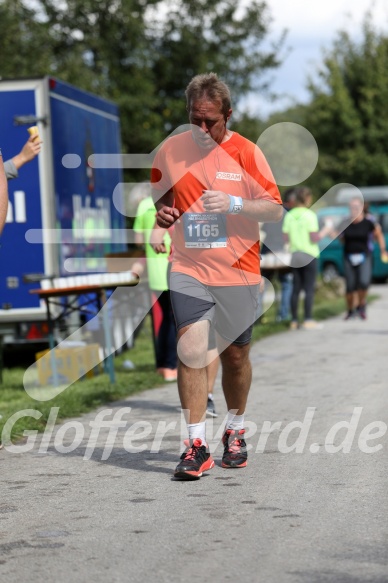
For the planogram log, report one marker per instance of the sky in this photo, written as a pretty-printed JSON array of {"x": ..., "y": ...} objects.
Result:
[{"x": 312, "y": 26}]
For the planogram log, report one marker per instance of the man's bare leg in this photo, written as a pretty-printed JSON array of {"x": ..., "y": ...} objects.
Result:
[
  {"x": 192, "y": 376},
  {"x": 236, "y": 377},
  {"x": 236, "y": 382},
  {"x": 213, "y": 361},
  {"x": 192, "y": 384}
]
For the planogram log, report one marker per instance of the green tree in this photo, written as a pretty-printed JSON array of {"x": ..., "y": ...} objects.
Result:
[
  {"x": 23, "y": 42},
  {"x": 102, "y": 46},
  {"x": 252, "y": 126},
  {"x": 140, "y": 53},
  {"x": 348, "y": 115},
  {"x": 200, "y": 36}
]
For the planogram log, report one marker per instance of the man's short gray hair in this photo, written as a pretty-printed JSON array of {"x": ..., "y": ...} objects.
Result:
[{"x": 208, "y": 85}]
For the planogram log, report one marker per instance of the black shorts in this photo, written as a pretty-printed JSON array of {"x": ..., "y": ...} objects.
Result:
[
  {"x": 231, "y": 310},
  {"x": 358, "y": 277}
]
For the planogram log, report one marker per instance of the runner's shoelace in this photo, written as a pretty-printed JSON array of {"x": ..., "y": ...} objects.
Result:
[
  {"x": 192, "y": 452},
  {"x": 235, "y": 446}
]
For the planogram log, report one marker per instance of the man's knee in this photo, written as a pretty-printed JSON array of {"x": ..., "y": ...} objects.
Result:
[
  {"x": 192, "y": 344},
  {"x": 235, "y": 356}
]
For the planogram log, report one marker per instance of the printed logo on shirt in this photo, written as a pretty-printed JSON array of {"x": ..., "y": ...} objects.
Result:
[{"x": 228, "y": 176}]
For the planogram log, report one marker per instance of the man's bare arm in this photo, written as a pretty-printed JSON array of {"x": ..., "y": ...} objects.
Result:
[
  {"x": 160, "y": 201},
  {"x": 166, "y": 214},
  {"x": 216, "y": 201},
  {"x": 263, "y": 210}
]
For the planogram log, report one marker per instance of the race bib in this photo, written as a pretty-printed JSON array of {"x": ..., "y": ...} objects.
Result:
[
  {"x": 204, "y": 230},
  {"x": 356, "y": 258}
]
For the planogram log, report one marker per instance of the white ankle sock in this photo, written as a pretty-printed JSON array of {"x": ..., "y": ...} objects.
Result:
[
  {"x": 197, "y": 431},
  {"x": 210, "y": 396},
  {"x": 235, "y": 422}
]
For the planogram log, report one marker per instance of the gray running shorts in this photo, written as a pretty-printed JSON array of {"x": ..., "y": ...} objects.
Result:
[{"x": 231, "y": 310}]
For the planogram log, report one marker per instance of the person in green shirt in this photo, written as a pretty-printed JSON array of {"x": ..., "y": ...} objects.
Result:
[
  {"x": 157, "y": 264},
  {"x": 301, "y": 232}
]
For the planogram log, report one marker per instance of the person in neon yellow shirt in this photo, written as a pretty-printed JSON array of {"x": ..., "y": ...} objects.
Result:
[
  {"x": 301, "y": 231},
  {"x": 157, "y": 265}
]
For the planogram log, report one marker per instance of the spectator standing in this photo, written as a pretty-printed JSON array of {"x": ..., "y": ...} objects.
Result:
[
  {"x": 157, "y": 265},
  {"x": 301, "y": 231},
  {"x": 273, "y": 243}
]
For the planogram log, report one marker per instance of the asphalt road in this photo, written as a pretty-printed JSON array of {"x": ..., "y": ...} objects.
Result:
[{"x": 310, "y": 517}]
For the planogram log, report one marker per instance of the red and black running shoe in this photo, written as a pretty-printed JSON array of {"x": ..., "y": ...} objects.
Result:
[
  {"x": 195, "y": 460},
  {"x": 235, "y": 449}
]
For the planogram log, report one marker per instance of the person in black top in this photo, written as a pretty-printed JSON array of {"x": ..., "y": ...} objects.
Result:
[{"x": 358, "y": 256}]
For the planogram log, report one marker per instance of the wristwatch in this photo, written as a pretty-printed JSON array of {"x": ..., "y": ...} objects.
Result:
[{"x": 237, "y": 206}]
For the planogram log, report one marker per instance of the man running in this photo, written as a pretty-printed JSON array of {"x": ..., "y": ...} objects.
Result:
[{"x": 215, "y": 186}]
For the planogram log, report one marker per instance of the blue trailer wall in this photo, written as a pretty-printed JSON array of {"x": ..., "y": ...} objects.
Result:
[
  {"x": 84, "y": 124},
  {"x": 17, "y": 257}
]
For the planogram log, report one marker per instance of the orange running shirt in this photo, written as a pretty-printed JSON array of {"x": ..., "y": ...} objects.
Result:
[{"x": 236, "y": 167}]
